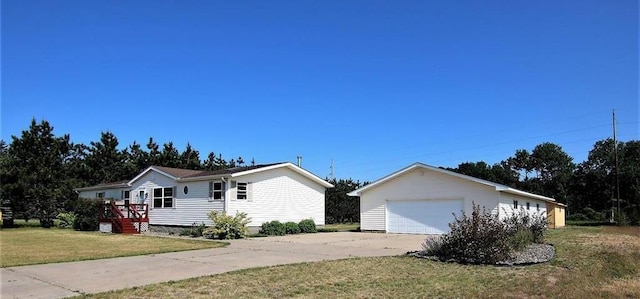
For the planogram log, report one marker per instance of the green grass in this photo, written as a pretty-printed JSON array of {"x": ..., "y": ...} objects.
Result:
[
  {"x": 343, "y": 227},
  {"x": 591, "y": 262},
  {"x": 28, "y": 246}
]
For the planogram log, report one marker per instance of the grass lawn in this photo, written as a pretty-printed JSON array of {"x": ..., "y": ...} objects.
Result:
[
  {"x": 28, "y": 246},
  {"x": 343, "y": 227},
  {"x": 591, "y": 262}
]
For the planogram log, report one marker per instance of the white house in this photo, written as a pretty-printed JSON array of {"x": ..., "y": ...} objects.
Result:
[
  {"x": 182, "y": 197},
  {"x": 421, "y": 199}
]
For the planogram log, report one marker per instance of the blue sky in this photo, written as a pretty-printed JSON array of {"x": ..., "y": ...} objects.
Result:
[{"x": 372, "y": 85}]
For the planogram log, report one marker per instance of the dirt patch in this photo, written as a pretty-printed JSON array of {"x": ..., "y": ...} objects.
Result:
[{"x": 625, "y": 230}]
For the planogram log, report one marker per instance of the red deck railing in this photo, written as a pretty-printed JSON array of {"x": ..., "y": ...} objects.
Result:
[{"x": 123, "y": 216}]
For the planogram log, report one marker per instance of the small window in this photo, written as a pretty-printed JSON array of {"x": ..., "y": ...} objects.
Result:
[
  {"x": 216, "y": 190},
  {"x": 527, "y": 205},
  {"x": 515, "y": 204},
  {"x": 185, "y": 190},
  {"x": 537, "y": 207},
  {"x": 168, "y": 198},
  {"x": 99, "y": 194},
  {"x": 242, "y": 190},
  {"x": 157, "y": 198},
  {"x": 126, "y": 194}
]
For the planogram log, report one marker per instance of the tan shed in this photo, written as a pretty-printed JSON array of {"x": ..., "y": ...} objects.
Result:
[{"x": 555, "y": 214}]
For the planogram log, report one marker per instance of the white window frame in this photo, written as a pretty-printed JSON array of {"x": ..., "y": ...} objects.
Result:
[
  {"x": 124, "y": 194},
  {"x": 515, "y": 204},
  {"x": 163, "y": 197},
  {"x": 537, "y": 206},
  {"x": 100, "y": 195},
  {"x": 528, "y": 205},
  {"x": 242, "y": 194}
]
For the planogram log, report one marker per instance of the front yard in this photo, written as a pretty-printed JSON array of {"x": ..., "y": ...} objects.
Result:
[
  {"x": 591, "y": 262},
  {"x": 28, "y": 246}
]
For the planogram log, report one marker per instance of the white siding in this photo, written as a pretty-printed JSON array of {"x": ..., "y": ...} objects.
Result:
[
  {"x": 109, "y": 193},
  {"x": 506, "y": 205},
  {"x": 279, "y": 194},
  {"x": 187, "y": 209},
  {"x": 422, "y": 184}
]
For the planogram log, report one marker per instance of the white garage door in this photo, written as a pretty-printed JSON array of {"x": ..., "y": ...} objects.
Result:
[{"x": 421, "y": 217}]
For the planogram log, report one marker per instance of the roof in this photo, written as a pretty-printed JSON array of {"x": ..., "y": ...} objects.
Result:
[
  {"x": 113, "y": 185},
  {"x": 186, "y": 175},
  {"x": 498, "y": 187}
]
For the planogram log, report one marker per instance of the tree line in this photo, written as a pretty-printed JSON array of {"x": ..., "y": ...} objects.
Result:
[{"x": 39, "y": 170}]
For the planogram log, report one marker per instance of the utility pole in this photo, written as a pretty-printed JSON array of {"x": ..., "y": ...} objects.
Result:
[{"x": 615, "y": 153}]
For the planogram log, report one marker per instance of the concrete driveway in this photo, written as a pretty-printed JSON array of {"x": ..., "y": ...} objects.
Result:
[{"x": 71, "y": 279}]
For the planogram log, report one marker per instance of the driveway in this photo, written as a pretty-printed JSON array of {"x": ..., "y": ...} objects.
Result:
[{"x": 71, "y": 279}]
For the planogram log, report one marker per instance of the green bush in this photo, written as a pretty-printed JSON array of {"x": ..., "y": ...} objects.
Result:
[
  {"x": 87, "y": 214},
  {"x": 307, "y": 226},
  {"x": 227, "y": 227},
  {"x": 524, "y": 228},
  {"x": 327, "y": 230},
  {"x": 292, "y": 228},
  {"x": 66, "y": 220},
  {"x": 195, "y": 231},
  {"x": 273, "y": 228}
]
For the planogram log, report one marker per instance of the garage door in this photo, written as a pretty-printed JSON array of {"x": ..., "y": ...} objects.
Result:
[{"x": 421, "y": 216}]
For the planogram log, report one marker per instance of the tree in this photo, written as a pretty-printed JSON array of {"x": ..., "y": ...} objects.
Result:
[
  {"x": 169, "y": 157},
  {"x": 37, "y": 158},
  {"x": 105, "y": 160},
  {"x": 554, "y": 169},
  {"x": 339, "y": 207},
  {"x": 190, "y": 158},
  {"x": 136, "y": 160},
  {"x": 154, "y": 153}
]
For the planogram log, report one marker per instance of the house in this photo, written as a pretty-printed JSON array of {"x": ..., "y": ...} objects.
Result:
[
  {"x": 182, "y": 197},
  {"x": 421, "y": 199}
]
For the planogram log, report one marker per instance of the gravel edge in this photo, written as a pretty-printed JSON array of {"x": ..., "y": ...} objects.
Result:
[{"x": 531, "y": 255}]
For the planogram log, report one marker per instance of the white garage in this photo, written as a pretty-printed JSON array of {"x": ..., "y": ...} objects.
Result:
[
  {"x": 421, "y": 199},
  {"x": 421, "y": 216}
]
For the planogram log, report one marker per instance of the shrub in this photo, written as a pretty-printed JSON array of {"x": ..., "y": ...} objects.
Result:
[
  {"x": 273, "y": 228},
  {"x": 195, "y": 231},
  {"x": 292, "y": 228},
  {"x": 87, "y": 214},
  {"x": 227, "y": 227},
  {"x": 524, "y": 228},
  {"x": 479, "y": 239},
  {"x": 327, "y": 230},
  {"x": 66, "y": 220},
  {"x": 307, "y": 226}
]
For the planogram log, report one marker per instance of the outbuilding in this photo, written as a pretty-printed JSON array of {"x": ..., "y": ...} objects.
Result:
[{"x": 422, "y": 199}]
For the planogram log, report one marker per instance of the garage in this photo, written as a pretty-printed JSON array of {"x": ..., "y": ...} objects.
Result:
[{"x": 421, "y": 216}]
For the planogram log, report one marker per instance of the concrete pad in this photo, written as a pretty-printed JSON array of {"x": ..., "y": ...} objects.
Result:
[{"x": 69, "y": 279}]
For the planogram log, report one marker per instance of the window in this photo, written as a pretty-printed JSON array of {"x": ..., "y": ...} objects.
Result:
[
  {"x": 185, "y": 190},
  {"x": 515, "y": 204},
  {"x": 537, "y": 207},
  {"x": 242, "y": 190},
  {"x": 527, "y": 205},
  {"x": 126, "y": 194},
  {"x": 163, "y": 197},
  {"x": 99, "y": 194},
  {"x": 216, "y": 190}
]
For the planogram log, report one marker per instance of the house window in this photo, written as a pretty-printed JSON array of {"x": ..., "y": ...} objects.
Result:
[
  {"x": 242, "y": 190},
  {"x": 163, "y": 197},
  {"x": 99, "y": 194},
  {"x": 537, "y": 207},
  {"x": 126, "y": 194},
  {"x": 527, "y": 205},
  {"x": 216, "y": 190},
  {"x": 515, "y": 204}
]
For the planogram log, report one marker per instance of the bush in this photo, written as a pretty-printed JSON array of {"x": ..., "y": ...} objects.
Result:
[
  {"x": 524, "y": 228},
  {"x": 227, "y": 227},
  {"x": 87, "y": 214},
  {"x": 195, "y": 231},
  {"x": 327, "y": 230},
  {"x": 292, "y": 228},
  {"x": 66, "y": 220},
  {"x": 479, "y": 239},
  {"x": 307, "y": 226},
  {"x": 484, "y": 239},
  {"x": 273, "y": 228}
]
